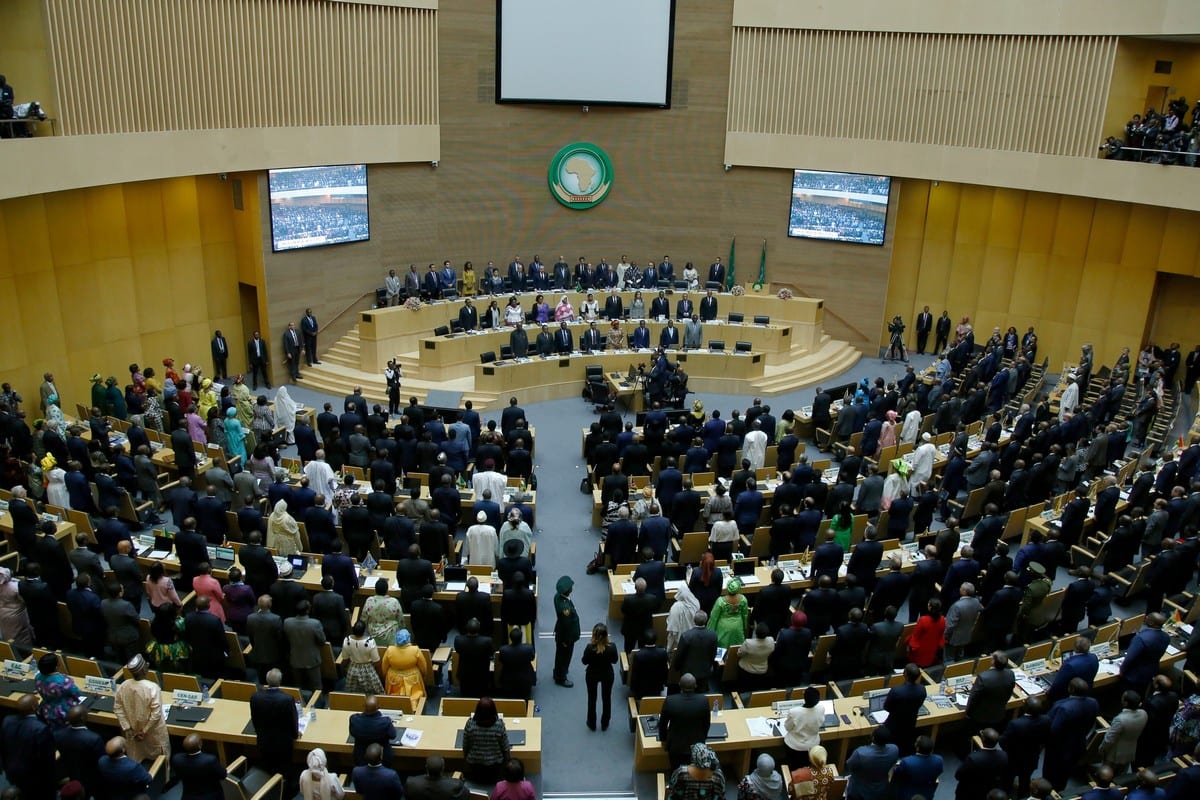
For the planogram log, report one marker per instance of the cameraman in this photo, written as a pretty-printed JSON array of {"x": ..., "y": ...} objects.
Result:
[{"x": 896, "y": 329}]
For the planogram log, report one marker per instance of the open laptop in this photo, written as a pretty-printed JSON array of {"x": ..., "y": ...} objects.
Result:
[
  {"x": 631, "y": 376},
  {"x": 299, "y": 565},
  {"x": 222, "y": 557},
  {"x": 456, "y": 578},
  {"x": 743, "y": 569}
]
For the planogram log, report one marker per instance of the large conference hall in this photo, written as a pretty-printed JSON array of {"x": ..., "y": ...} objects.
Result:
[{"x": 753, "y": 399}]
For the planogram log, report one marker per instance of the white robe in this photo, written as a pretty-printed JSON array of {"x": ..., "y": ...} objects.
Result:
[
  {"x": 480, "y": 546},
  {"x": 497, "y": 482},
  {"x": 285, "y": 413},
  {"x": 754, "y": 448},
  {"x": 1069, "y": 401},
  {"x": 321, "y": 478},
  {"x": 923, "y": 458},
  {"x": 892, "y": 486},
  {"x": 911, "y": 428},
  {"x": 138, "y": 707}
]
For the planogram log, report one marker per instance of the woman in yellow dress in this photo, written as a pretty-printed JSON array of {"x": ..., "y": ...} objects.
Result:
[
  {"x": 468, "y": 280},
  {"x": 404, "y": 667},
  {"x": 208, "y": 398}
]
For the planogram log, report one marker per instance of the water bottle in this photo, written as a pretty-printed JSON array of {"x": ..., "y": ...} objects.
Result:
[
  {"x": 716, "y": 708},
  {"x": 204, "y": 693},
  {"x": 312, "y": 716}
]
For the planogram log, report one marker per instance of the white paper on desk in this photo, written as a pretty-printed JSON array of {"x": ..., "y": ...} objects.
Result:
[
  {"x": 1172, "y": 650},
  {"x": 627, "y": 587},
  {"x": 158, "y": 554},
  {"x": 1186, "y": 629},
  {"x": 302, "y": 726},
  {"x": 1030, "y": 686},
  {"x": 761, "y": 727},
  {"x": 827, "y": 707},
  {"x": 166, "y": 710},
  {"x": 1109, "y": 668},
  {"x": 879, "y": 717},
  {"x": 411, "y": 737}
]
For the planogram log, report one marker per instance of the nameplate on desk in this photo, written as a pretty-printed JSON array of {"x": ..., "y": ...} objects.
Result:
[
  {"x": 187, "y": 699},
  {"x": 93, "y": 684},
  {"x": 1035, "y": 666},
  {"x": 1103, "y": 649},
  {"x": 960, "y": 682},
  {"x": 17, "y": 669}
]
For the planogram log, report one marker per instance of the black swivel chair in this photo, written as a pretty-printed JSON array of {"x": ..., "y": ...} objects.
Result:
[
  {"x": 734, "y": 316},
  {"x": 716, "y": 345},
  {"x": 441, "y": 330},
  {"x": 487, "y": 357},
  {"x": 714, "y": 285},
  {"x": 762, "y": 319},
  {"x": 742, "y": 347},
  {"x": 506, "y": 352},
  {"x": 455, "y": 326}
]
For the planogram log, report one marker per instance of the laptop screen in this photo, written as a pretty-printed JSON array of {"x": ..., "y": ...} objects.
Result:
[
  {"x": 164, "y": 543},
  {"x": 224, "y": 554},
  {"x": 455, "y": 574},
  {"x": 875, "y": 702},
  {"x": 745, "y": 566},
  {"x": 676, "y": 572},
  {"x": 298, "y": 562}
]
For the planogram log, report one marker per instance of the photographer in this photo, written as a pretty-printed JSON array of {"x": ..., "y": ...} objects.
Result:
[{"x": 896, "y": 329}]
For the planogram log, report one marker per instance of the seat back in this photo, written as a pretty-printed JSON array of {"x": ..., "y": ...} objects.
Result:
[
  {"x": 237, "y": 690},
  {"x": 465, "y": 707},
  {"x": 352, "y": 701},
  {"x": 742, "y": 347},
  {"x": 487, "y": 357},
  {"x": 735, "y": 316},
  {"x": 172, "y": 681},
  {"x": 716, "y": 344},
  {"x": 80, "y": 667},
  {"x": 441, "y": 330}
]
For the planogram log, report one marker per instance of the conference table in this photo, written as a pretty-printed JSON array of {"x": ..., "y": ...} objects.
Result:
[
  {"x": 561, "y": 375},
  {"x": 453, "y": 355},
  {"x": 229, "y": 724},
  {"x": 64, "y": 531}
]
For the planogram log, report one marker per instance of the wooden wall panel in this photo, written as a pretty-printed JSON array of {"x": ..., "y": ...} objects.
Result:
[
  {"x": 124, "y": 66},
  {"x": 1078, "y": 270},
  {"x": 956, "y": 90},
  {"x": 133, "y": 272}
]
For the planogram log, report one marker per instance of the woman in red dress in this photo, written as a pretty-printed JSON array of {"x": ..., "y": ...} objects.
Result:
[{"x": 929, "y": 636}]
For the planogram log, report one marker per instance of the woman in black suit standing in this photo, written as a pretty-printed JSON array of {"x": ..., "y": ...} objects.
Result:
[{"x": 599, "y": 657}]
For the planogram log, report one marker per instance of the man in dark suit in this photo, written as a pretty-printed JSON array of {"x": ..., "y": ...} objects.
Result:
[
  {"x": 28, "y": 750},
  {"x": 191, "y": 549},
  {"x": 942, "y": 328},
  {"x": 468, "y": 316},
  {"x": 329, "y": 608},
  {"x": 474, "y": 661},
  {"x": 669, "y": 338},
  {"x": 56, "y": 567},
  {"x": 340, "y": 568},
  {"x": 373, "y": 780},
  {"x": 1024, "y": 739},
  {"x": 820, "y": 604},
  {"x": 865, "y": 559},
  {"x": 210, "y": 517},
  {"x": 265, "y": 629},
  {"x": 648, "y": 667},
  {"x": 589, "y": 342},
  {"x": 1071, "y": 721},
  {"x": 205, "y": 632},
  {"x": 371, "y": 727},
  {"x": 544, "y": 344},
  {"x": 414, "y": 572},
  {"x": 260, "y": 568},
  {"x": 684, "y": 720},
  {"x": 305, "y": 640},
  {"x": 24, "y": 521},
  {"x": 614, "y": 307},
  {"x": 87, "y": 617},
  {"x": 708, "y": 307},
  {"x": 965, "y": 569},
  {"x": 258, "y": 359},
  {"x": 291, "y": 351},
  {"x": 684, "y": 308},
  {"x": 122, "y": 777},
  {"x": 696, "y": 650},
  {"x": 220, "y": 356},
  {"x": 309, "y": 328},
  {"x": 472, "y": 604},
  {"x": 1083, "y": 664},
  {"x": 637, "y": 615},
  {"x": 564, "y": 342},
  {"x": 924, "y": 326},
  {"x": 716, "y": 272},
  {"x": 434, "y": 784},
  {"x": 201, "y": 773},
  {"x": 1141, "y": 658},
  {"x": 80, "y": 749},
  {"x": 276, "y": 726},
  {"x": 902, "y": 705},
  {"x": 987, "y": 704},
  {"x": 849, "y": 650},
  {"x": 983, "y": 770},
  {"x": 828, "y": 557}
]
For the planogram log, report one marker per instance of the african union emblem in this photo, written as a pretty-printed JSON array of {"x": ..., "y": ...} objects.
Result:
[{"x": 580, "y": 175}]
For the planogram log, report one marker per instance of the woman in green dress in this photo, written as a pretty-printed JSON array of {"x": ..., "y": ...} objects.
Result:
[
  {"x": 729, "y": 615},
  {"x": 842, "y": 525}
]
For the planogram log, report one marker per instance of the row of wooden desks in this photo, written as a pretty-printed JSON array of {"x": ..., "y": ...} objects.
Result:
[{"x": 228, "y": 724}]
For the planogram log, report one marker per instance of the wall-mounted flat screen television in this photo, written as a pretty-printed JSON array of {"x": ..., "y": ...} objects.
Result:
[
  {"x": 839, "y": 206},
  {"x": 598, "y": 52},
  {"x": 314, "y": 206}
]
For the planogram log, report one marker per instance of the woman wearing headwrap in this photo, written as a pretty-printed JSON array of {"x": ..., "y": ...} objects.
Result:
[
  {"x": 14, "y": 619},
  {"x": 405, "y": 670},
  {"x": 729, "y": 615},
  {"x": 887, "y": 434},
  {"x": 382, "y": 613},
  {"x": 283, "y": 534},
  {"x": 54, "y": 413},
  {"x": 702, "y": 778},
  {"x": 114, "y": 400},
  {"x": 363, "y": 654},
  {"x": 764, "y": 783},
  {"x": 285, "y": 413},
  {"x": 813, "y": 782},
  {"x": 895, "y": 483},
  {"x": 235, "y": 435},
  {"x": 99, "y": 393},
  {"x": 207, "y": 399},
  {"x": 56, "y": 483},
  {"x": 243, "y": 401},
  {"x": 697, "y": 414},
  {"x": 679, "y": 618},
  {"x": 317, "y": 782}
]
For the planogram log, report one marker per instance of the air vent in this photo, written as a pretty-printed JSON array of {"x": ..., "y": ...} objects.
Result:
[
  {"x": 487, "y": 86},
  {"x": 1163, "y": 67}
]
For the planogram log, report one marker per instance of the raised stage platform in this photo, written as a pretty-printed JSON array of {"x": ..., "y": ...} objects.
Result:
[{"x": 788, "y": 350}]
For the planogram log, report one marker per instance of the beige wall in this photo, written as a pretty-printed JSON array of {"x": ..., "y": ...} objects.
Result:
[
  {"x": 1033, "y": 17},
  {"x": 27, "y": 63}
]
